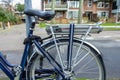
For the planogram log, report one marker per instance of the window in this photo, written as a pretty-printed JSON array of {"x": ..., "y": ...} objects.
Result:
[
  {"x": 106, "y": 5},
  {"x": 73, "y": 14},
  {"x": 58, "y": 1},
  {"x": 74, "y": 4},
  {"x": 100, "y": 4},
  {"x": 90, "y": 3},
  {"x": 103, "y": 5},
  {"x": 49, "y": 1},
  {"x": 114, "y": 6},
  {"x": 102, "y": 13},
  {"x": 59, "y": 14}
]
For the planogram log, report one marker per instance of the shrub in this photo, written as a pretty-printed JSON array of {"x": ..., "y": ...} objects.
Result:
[
  {"x": 103, "y": 19},
  {"x": 3, "y": 16},
  {"x": 7, "y": 16},
  {"x": 42, "y": 24},
  {"x": 111, "y": 20},
  {"x": 95, "y": 19},
  {"x": 85, "y": 19}
]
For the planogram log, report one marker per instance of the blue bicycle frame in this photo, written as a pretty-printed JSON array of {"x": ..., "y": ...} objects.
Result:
[{"x": 6, "y": 66}]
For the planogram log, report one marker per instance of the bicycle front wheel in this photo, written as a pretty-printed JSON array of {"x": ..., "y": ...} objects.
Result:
[{"x": 87, "y": 63}]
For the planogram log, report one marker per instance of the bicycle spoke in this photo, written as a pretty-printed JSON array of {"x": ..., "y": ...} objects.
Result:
[
  {"x": 82, "y": 58},
  {"x": 86, "y": 65}
]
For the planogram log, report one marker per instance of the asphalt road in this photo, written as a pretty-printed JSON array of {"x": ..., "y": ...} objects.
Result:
[
  {"x": 111, "y": 55},
  {"x": 108, "y": 42}
]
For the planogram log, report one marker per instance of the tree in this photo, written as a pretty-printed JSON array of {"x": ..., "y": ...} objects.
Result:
[
  {"x": 3, "y": 17},
  {"x": 53, "y": 8},
  {"x": 7, "y": 4},
  {"x": 20, "y": 7},
  {"x": 7, "y": 17}
]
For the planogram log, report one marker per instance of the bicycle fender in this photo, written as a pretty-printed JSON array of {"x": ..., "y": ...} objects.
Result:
[
  {"x": 84, "y": 42},
  {"x": 92, "y": 46}
]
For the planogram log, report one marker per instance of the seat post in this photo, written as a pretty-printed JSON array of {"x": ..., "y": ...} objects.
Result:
[{"x": 28, "y": 20}]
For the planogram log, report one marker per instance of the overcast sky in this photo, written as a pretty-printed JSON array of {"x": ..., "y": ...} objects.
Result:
[
  {"x": 35, "y": 3},
  {"x": 17, "y": 1}
]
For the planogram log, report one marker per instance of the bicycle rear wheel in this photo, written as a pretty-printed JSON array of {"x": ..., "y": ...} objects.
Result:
[{"x": 87, "y": 65}]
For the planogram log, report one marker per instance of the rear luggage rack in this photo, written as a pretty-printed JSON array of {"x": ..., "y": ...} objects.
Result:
[{"x": 80, "y": 29}]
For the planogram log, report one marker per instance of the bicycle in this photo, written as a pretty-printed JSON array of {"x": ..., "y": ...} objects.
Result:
[{"x": 60, "y": 56}]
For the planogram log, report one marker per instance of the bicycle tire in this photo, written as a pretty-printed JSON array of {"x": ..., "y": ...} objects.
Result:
[{"x": 80, "y": 72}]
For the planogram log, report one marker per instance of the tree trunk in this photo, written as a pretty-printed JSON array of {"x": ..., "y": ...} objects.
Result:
[
  {"x": 3, "y": 25},
  {"x": 110, "y": 11},
  {"x": 80, "y": 11},
  {"x": 0, "y": 24},
  {"x": 53, "y": 9},
  {"x": 8, "y": 24}
]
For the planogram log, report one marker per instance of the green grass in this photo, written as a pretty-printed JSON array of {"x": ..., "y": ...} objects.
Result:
[
  {"x": 4, "y": 79},
  {"x": 42, "y": 24},
  {"x": 110, "y": 24},
  {"x": 111, "y": 29}
]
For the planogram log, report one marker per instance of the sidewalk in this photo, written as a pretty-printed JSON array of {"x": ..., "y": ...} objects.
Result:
[{"x": 10, "y": 38}]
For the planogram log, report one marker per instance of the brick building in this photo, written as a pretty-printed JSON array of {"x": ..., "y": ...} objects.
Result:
[{"x": 91, "y": 11}]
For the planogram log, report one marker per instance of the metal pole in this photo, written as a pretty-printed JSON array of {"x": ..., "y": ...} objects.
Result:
[
  {"x": 117, "y": 14},
  {"x": 118, "y": 10},
  {"x": 28, "y": 5},
  {"x": 80, "y": 11}
]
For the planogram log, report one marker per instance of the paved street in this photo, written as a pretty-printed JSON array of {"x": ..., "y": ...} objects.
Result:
[
  {"x": 108, "y": 42},
  {"x": 111, "y": 55}
]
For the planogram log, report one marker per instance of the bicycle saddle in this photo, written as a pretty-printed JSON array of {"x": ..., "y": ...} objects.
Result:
[{"x": 46, "y": 15}]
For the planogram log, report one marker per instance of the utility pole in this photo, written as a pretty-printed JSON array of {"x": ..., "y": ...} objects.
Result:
[
  {"x": 28, "y": 20},
  {"x": 80, "y": 11},
  {"x": 118, "y": 10},
  {"x": 53, "y": 5}
]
